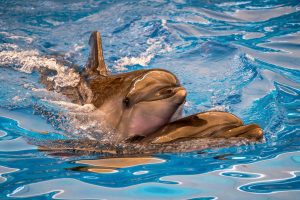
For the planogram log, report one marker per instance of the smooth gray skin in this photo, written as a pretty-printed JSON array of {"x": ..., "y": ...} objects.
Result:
[{"x": 144, "y": 107}]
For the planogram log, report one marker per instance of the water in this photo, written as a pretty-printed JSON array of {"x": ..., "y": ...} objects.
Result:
[{"x": 242, "y": 57}]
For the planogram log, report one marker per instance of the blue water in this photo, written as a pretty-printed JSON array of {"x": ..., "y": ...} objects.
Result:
[{"x": 238, "y": 56}]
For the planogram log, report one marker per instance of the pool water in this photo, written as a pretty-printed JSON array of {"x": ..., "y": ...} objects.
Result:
[{"x": 238, "y": 56}]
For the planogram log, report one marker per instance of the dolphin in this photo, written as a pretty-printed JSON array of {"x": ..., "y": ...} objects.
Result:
[{"x": 144, "y": 107}]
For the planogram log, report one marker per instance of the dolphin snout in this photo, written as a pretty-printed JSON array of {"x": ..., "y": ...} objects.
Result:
[
  {"x": 176, "y": 94},
  {"x": 180, "y": 91},
  {"x": 179, "y": 94}
]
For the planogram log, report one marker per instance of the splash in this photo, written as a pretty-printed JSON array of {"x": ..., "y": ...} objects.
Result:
[
  {"x": 29, "y": 60},
  {"x": 54, "y": 107},
  {"x": 86, "y": 108},
  {"x": 156, "y": 46}
]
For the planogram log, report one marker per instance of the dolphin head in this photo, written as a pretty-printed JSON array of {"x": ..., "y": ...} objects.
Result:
[
  {"x": 149, "y": 101},
  {"x": 152, "y": 100},
  {"x": 136, "y": 103}
]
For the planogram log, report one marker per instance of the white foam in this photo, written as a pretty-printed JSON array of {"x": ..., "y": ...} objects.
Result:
[
  {"x": 28, "y": 40},
  {"x": 164, "y": 24},
  {"x": 229, "y": 4},
  {"x": 72, "y": 118},
  {"x": 17, "y": 99},
  {"x": 142, "y": 60},
  {"x": 219, "y": 108},
  {"x": 28, "y": 60},
  {"x": 156, "y": 46},
  {"x": 36, "y": 89},
  {"x": 80, "y": 121},
  {"x": 86, "y": 108}
]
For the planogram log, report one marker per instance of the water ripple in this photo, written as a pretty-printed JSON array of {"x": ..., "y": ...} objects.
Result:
[{"x": 241, "y": 57}]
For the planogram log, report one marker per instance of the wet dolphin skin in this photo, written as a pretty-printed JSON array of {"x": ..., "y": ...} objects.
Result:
[{"x": 145, "y": 106}]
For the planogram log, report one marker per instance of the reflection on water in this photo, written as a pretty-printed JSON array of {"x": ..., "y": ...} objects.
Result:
[
  {"x": 2, "y": 133},
  {"x": 17, "y": 144},
  {"x": 292, "y": 183},
  {"x": 192, "y": 186},
  {"x": 111, "y": 164},
  {"x": 5, "y": 170},
  {"x": 240, "y": 175},
  {"x": 241, "y": 57}
]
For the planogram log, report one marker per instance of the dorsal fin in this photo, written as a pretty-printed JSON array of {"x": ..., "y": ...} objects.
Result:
[{"x": 95, "y": 64}]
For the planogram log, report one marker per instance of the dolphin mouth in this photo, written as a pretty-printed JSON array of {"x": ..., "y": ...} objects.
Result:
[{"x": 178, "y": 93}]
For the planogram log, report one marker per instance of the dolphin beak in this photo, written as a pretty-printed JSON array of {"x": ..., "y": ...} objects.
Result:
[
  {"x": 179, "y": 94},
  {"x": 180, "y": 91},
  {"x": 175, "y": 94},
  {"x": 171, "y": 91}
]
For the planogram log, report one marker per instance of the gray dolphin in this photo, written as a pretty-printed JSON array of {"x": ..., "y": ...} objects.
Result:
[{"x": 144, "y": 108}]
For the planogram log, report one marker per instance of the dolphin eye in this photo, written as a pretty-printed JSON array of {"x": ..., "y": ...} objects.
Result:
[{"x": 126, "y": 102}]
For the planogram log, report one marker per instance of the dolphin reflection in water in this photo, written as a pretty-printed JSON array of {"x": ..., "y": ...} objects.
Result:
[{"x": 144, "y": 109}]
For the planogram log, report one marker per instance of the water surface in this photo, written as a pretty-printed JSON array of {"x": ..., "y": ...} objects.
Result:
[{"x": 238, "y": 56}]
